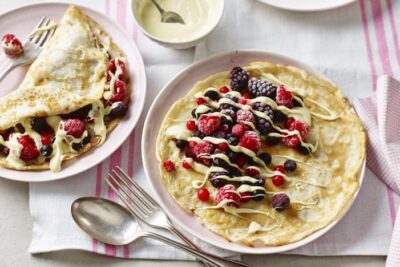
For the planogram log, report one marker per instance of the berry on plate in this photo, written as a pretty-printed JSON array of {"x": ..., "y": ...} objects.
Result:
[
  {"x": 238, "y": 130},
  {"x": 120, "y": 89},
  {"x": 112, "y": 68},
  {"x": 261, "y": 88},
  {"x": 278, "y": 180},
  {"x": 250, "y": 140},
  {"x": 191, "y": 125},
  {"x": 228, "y": 192},
  {"x": 280, "y": 201},
  {"x": 293, "y": 140},
  {"x": 208, "y": 124},
  {"x": 73, "y": 127},
  {"x": 239, "y": 79},
  {"x": 203, "y": 194},
  {"x": 11, "y": 45},
  {"x": 284, "y": 97},
  {"x": 169, "y": 166},
  {"x": 29, "y": 150},
  {"x": 243, "y": 116}
]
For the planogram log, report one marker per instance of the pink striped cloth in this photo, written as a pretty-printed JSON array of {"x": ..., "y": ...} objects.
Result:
[{"x": 381, "y": 116}]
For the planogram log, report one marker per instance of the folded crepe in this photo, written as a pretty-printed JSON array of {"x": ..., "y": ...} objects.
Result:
[{"x": 75, "y": 92}]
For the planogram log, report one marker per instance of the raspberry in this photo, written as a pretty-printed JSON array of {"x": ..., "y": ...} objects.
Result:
[
  {"x": 46, "y": 139},
  {"x": 11, "y": 45},
  {"x": 243, "y": 116},
  {"x": 203, "y": 147},
  {"x": 111, "y": 68},
  {"x": 73, "y": 127},
  {"x": 223, "y": 146},
  {"x": 228, "y": 192},
  {"x": 224, "y": 90},
  {"x": 239, "y": 78},
  {"x": 293, "y": 140},
  {"x": 169, "y": 166},
  {"x": 284, "y": 97},
  {"x": 238, "y": 130},
  {"x": 120, "y": 89},
  {"x": 250, "y": 140},
  {"x": 278, "y": 180},
  {"x": 186, "y": 164},
  {"x": 191, "y": 125},
  {"x": 289, "y": 122},
  {"x": 200, "y": 101},
  {"x": 262, "y": 88},
  {"x": 208, "y": 124},
  {"x": 245, "y": 197},
  {"x": 280, "y": 201},
  {"x": 203, "y": 194},
  {"x": 29, "y": 150}
]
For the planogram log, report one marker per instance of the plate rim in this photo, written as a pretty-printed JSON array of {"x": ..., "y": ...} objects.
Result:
[
  {"x": 141, "y": 104},
  {"x": 290, "y": 8},
  {"x": 169, "y": 211}
]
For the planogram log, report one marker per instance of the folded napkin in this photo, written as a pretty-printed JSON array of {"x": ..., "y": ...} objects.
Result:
[{"x": 381, "y": 116}]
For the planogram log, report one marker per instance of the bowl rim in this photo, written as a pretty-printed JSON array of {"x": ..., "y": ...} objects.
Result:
[
  {"x": 148, "y": 126},
  {"x": 194, "y": 40}
]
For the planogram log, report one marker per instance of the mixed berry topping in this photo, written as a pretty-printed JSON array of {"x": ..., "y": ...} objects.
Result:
[
  {"x": 228, "y": 135},
  {"x": 11, "y": 45},
  {"x": 73, "y": 127},
  {"x": 29, "y": 150}
]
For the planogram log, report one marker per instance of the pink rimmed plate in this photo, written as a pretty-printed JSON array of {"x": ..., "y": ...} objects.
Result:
[
  {"x": 178, "y": 87},
  {"x": 20, "y": 22}
]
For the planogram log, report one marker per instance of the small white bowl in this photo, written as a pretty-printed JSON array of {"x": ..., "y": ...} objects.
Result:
[{"x": 185, "y": 43}]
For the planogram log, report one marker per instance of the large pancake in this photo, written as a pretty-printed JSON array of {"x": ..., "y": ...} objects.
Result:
[{"x": 336, "y": 164}]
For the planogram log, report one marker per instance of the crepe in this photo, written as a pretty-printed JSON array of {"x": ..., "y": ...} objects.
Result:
[
  {"x": 69, "y": 74},
  {"x": 320, "y": 190}
]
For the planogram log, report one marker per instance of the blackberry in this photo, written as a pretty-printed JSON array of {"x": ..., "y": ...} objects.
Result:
[
  {"x": 303, "y": 150},
  {"x": 272, "y": 140},
  {"x": 234, "y": 172},
  {"x": 194, "y": 113},
  {"x": 77, "y": 146},
  {"x": 211, "y": 94},
  {"x": 38, "y": 124},
  {"x": 263, "y": 125},
  {"x": 231, "y": 155},
  {"x": 239, "y": 78},
  {"x": 119, "y": 110},
  {"x": 219, "y": 134},
  {"x": 262, "y": 88},
  {"x": 258, "y": 194},
  {"x": 220, "y": 163},
  {"x": 229, "y": 112},
  {"x": 260, "y": 181},
  {"x": 181, "y": 144},
  {"x": 232, "y": 140},
  {"x": 218, "y": 182},
  {"x": 264, "y": 108},
  {"x": 199, "y": 134},
  {"x": 265, "y": 157},
  {"x": 279, "y": 116},
  {"x": 232, "y": 97},
  {"x": 290, "y": 165}
]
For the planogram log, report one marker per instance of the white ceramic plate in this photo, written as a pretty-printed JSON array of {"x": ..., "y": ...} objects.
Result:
[
  {"x": 177, "y": 88},
  {"x": 307, "y": 5},
  {"x": 20, "y": 22}
]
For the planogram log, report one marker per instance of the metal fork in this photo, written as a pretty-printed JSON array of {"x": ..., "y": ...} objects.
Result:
[
  {"x": 33, "y": 45},
  {"x": 143, "y": 206}
]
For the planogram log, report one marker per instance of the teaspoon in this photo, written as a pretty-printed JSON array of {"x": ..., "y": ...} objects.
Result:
[{"x": 168, "y": 16}]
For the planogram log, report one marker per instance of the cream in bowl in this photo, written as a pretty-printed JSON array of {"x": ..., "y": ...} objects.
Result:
[{"x": 200, "y": 17}]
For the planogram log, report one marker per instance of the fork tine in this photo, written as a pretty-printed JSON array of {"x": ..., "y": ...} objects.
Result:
[
  {"x": 36, "y": 38},
  {"x": 129, "y": 188},
  {"x": 124, "y": 186},
  {"x": 37, "y": 27},
  {"x": 124, "y": 199},
  {"x": 136, "y": 202},
  {"x": 138, "y": 187},
  {"x": 46, "y": 36}
]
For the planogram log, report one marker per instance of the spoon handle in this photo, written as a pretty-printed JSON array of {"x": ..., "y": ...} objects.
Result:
[
  {"x": 212, "y": 259},
  {"x": 158, "y": 7}
]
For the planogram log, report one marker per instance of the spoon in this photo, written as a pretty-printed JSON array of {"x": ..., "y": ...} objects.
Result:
[
  {"x": 168, "y": 16},
  {"x": 113, "y": 224}
]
